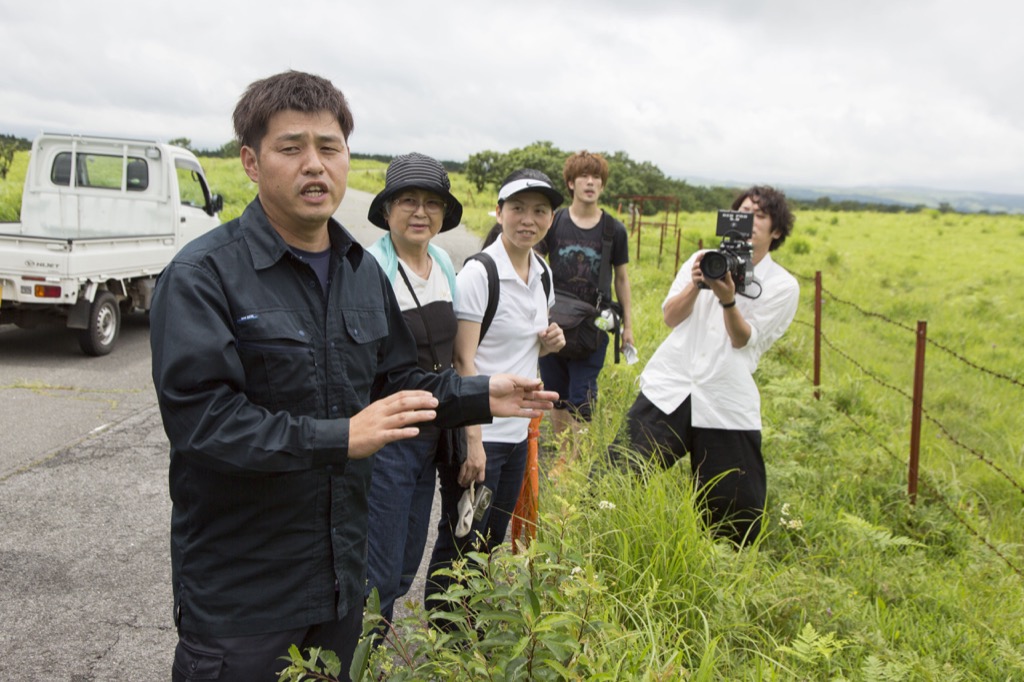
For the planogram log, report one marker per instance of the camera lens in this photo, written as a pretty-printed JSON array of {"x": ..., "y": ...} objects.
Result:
[{"x": 714, "y": 265}]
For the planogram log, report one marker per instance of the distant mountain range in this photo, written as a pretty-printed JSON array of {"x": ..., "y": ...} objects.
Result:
[{"x": 960, "y": 201}]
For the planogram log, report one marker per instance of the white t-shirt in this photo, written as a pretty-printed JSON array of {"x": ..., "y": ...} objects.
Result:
[
  {"x": 697, "y": 359},
  {"x": 511, "y": 345},
  {"x": 433, "y": 288}
]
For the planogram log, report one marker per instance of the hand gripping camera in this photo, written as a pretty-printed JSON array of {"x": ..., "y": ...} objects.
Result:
[{"x": 735, "y": 254}]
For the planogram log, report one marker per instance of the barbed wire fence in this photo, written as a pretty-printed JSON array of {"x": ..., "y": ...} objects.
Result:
[
  {"x": 669, "y": 231},
  {"x": 918, "y": 410}
]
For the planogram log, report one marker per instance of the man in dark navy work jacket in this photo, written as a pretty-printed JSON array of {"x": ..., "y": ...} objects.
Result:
[{"x": 281, "y": 363}]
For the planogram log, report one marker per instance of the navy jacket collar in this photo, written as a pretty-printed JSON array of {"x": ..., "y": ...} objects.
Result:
[{"x": 267, "y": 247}]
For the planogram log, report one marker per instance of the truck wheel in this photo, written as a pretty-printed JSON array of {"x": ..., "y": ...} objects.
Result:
[{"x": 104, "y": 325}]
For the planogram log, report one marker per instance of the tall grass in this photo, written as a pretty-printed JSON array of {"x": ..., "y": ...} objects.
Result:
[
  {"x": 907, "y": 592},
  {"x": 849, "y": 581}
]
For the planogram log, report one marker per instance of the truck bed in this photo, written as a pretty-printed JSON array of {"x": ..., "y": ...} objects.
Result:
[{"x": 94, "y": 258}]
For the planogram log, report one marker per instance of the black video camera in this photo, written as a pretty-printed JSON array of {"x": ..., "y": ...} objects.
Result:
[{"x": 735, "y": 254}]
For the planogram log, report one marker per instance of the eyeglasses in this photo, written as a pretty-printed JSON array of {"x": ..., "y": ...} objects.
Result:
[{"x": 410, "y": 204}]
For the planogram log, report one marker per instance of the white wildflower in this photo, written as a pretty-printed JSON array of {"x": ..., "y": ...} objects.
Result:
[{"x": 605, "y": 504}]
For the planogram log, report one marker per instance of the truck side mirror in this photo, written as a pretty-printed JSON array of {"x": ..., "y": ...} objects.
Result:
[{"x": 215, "y": 205}]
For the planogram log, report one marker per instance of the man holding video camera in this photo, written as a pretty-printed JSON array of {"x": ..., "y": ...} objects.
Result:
[{"x": 697, "y": 393}]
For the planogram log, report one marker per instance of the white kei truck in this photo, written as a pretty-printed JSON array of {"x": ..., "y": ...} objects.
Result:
[{"x": 100, "y": 218}]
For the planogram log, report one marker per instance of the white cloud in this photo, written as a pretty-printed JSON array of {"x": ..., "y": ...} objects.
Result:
[{"x": 922, "y": 92}]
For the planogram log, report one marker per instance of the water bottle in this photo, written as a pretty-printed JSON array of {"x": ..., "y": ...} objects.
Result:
[
  {"x": 629, "y": 350},
  {"x": 606, "y": 320}
]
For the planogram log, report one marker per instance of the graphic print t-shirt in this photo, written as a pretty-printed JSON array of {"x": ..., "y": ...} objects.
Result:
[{"x": 575, "y": 254}]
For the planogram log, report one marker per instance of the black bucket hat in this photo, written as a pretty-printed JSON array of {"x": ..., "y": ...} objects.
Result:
[
  {"x": 529, "y": 180},
  {"x": 416, "y": 171}
]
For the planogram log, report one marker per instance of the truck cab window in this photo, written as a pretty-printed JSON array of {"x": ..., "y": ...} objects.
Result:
[{"x": 102, "y": 171}]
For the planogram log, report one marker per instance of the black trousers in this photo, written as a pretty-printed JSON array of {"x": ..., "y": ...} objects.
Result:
[
  {"x": 258, "y": 658},
  {"x": 727, "y": 466}
]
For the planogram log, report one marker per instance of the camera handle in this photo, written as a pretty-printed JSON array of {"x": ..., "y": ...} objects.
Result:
[
  {"x": 744, "y": 294},
  {"x": 734, "y": 235}
]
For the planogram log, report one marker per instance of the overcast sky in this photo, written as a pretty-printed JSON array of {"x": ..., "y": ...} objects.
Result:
[{"x": 791, "y": 92}]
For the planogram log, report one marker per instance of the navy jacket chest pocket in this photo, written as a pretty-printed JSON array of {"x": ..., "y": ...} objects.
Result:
[
  {"x": 365, "y": 326},
  {"x": 365, "y": 333},
  {"x": 278, "y": 355}
]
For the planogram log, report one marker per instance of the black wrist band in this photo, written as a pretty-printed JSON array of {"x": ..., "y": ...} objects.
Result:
[{"x": 729, "y": 304}]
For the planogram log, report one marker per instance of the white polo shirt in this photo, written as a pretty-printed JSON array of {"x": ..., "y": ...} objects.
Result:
[
  {"x": 697, "y": 359},
  {"x": 511, "y": 345}
]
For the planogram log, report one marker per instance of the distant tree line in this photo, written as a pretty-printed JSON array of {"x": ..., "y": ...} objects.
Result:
[
  {"x": 627, "y": 177},
  {"x": 630, "y": 178},
  {"x": 230, "y": 150},
  {"x": 827, "y": 204}
]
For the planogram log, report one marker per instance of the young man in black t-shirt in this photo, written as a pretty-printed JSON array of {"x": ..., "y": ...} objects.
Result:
[{"x": 573, "y": 246}]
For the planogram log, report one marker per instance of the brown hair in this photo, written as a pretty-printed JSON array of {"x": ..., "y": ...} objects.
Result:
[
  {"x": 584, "y": 163},
  {"x": 291, "y": 90},
  {"x": 773, "y": 202}
]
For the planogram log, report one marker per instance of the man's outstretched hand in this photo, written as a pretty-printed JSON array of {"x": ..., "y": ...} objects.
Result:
[
  {"x": 389, "y": 419},
  {"x": 397, "y": 416},
  {"x": 516, "y": 396}
]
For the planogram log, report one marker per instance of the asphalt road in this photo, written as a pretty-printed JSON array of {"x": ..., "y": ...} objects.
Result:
[{"x": 85, "y": 589}]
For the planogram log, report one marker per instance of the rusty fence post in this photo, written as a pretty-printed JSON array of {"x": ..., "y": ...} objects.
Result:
[
  {"x": 817, "y": 335},
  {"x": 639, "y": 229},
  {"x": 679, "y": 232},
  {"x": 915, "y": 419}
]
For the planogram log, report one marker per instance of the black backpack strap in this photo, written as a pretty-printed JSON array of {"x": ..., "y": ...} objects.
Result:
[
  {"x": 493, "y": 289},
  {"x": 604, "y": 276},
  {"x": 545, "y": 277},
  {"x": 604, "y": 285},
  {"x": 543, "y": 246}
]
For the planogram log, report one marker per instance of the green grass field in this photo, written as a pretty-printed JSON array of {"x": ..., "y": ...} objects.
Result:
[
  {"x": 850, "y": 581},
  {"x": 930, "y": 591}
]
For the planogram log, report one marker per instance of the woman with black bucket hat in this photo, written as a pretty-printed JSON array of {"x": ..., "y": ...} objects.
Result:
[{"x": 415, "y": 205}]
